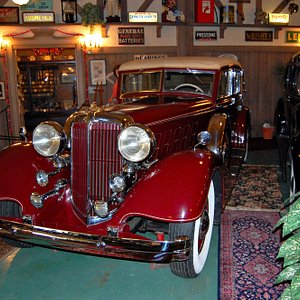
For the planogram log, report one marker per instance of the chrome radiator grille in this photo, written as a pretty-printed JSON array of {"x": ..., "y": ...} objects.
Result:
[{"x": 95, "y": 158}]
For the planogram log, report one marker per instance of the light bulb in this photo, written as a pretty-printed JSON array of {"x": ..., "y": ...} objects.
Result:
[{"x": 20, "y": 2}]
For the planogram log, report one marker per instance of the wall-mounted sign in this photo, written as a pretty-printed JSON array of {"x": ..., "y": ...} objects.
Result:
[
  {"x": 149, "y": 56},
  {"x": 131, "y": 36},
  {"x": 259, "y": 36},
  {"x": 142, "y": 16},
  {"x": 205, "y": 35},
  {"x": 38, "y": 5},
  {"x": 292, "y": 37},
  {"x": 279, "y": 18},
  {"x": 9, "y": 15},
  {"x": 38, "y": 17}
]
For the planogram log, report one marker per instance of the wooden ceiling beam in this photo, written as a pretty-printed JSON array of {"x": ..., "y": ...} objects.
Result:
[
  {"x": 145, "y": 5},
  {"x": 281, "y": 6}
]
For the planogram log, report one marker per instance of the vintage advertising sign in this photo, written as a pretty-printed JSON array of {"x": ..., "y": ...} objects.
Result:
[
  {"x": 205, "y": 35},
  {"x": 204, "y": 11},
  {"x": 149, "y": 56},
  {"x": 131, "y": 36},
  {"x": 259, "y": 36},
  {"x": 38, "y": 5},
  {"x": 142, "y": 16},
  {"x": 279, "y": 18},
  {"x": 9, "y": 15},
  {"x": 292, "y": 37},
  {"x": 38, "y": 17}
]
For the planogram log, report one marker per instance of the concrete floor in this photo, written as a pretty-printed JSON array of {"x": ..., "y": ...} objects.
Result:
[{"x": 39, "y": 273}]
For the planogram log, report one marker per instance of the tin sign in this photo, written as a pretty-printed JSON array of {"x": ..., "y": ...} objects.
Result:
[
  {"x": 292, "y": 37},
  {"x": 205, "y": 35},
  {"x": 142, "y": 16},
  {"x": 259, "y": 36},
  {"x": 131, "y": 36}
]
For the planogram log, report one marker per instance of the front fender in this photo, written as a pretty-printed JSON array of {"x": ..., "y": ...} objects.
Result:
[
  {"x": 172, "y": 190},
  {"x": 19, "y": 165}
]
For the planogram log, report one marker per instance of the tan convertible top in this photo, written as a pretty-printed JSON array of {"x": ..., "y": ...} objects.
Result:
[{"x": 190, "y": 62}]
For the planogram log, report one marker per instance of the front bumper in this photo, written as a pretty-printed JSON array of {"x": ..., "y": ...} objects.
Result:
[{"x": 120, "y": 247}]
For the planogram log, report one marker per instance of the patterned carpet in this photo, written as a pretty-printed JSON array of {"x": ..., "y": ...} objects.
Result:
[
  {"x": 257, "y": 188},
  {"x": 248, "y": 256},
  {"x": 249, "y": 245}
]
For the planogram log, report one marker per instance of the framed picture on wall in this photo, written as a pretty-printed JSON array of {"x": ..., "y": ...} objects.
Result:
[
  {"x": 68, "y": 77},
  {"x": 9, "y": 15},
  {"x": 98, "y": 71},
  {"x": 2, "y": 90}
]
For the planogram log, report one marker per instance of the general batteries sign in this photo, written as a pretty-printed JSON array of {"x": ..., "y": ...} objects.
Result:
[{"x": 131, "y": 36}]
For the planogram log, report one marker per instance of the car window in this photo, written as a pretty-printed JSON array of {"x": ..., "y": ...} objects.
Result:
[{"x": 194, "y": 81}]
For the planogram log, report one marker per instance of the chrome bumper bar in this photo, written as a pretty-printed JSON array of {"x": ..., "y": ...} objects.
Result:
[{"x": 128, "y": 248}]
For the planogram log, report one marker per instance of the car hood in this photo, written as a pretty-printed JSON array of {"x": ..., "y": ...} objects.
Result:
[{"x": 147, "y": 113}]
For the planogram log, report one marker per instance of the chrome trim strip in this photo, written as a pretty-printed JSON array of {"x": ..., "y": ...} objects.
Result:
[{"x": 129, "y": 248}]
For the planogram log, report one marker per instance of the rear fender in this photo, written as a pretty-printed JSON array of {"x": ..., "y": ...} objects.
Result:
[
  {"x": 172, "y": 190},
  {"x": 240, "y": 128}
]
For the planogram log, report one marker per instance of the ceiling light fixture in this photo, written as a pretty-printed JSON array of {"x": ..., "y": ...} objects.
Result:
[{"x": 20, "y": 2}]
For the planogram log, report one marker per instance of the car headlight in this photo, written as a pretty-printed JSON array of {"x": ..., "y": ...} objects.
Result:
[
  {"x": 49, "y": 138},
  {"x": 136, "y": 143}
]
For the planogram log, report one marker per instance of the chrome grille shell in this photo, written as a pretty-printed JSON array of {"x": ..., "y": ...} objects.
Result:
[{"x": 94, "y": 158}]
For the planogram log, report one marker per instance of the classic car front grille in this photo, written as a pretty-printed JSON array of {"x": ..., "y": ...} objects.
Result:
[{"x": 95, "y": 158}]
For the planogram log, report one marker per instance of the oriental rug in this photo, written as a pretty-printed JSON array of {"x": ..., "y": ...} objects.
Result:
[
  {"x": 257, "y": 188},
  {"x": 249, "y": 246}
]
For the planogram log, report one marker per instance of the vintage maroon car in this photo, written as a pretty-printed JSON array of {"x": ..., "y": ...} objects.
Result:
[{"x": 143, "y": 179}]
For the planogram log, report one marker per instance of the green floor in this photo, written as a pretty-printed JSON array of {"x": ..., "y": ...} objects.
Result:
[{"x": 39, "y": 273}]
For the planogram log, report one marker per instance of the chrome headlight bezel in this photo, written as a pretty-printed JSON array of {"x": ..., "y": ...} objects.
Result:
[
  {"x": 49, "y": 139},
  {"x": 136, "y": 143}
]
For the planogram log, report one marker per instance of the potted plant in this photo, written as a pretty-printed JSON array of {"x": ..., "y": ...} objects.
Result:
[
  {"x": 91, "y": 16},
  {"x": 290, "y": 249}
]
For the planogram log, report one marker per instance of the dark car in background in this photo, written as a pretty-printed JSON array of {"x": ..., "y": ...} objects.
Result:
[
  {"x": 144, "y": 179},
  {"x": 287, "y": 121}
]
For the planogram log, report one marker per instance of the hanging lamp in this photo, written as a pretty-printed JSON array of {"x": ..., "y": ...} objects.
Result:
[{"x": 20, "y": 2}]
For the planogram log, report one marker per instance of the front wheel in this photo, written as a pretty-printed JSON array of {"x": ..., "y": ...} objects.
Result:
[{"x": 199, "y": 232}]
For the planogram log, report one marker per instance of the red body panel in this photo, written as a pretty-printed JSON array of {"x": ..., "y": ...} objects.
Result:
[{"x": 166, "y": 193}]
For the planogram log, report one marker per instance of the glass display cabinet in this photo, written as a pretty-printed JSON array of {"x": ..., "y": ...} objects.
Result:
[{"x": 48, "y": 84}]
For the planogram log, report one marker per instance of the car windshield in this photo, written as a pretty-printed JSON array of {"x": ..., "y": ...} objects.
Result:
[
  {"x": 174, "y": 80},
  {"x": 194, "y": 81}
]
